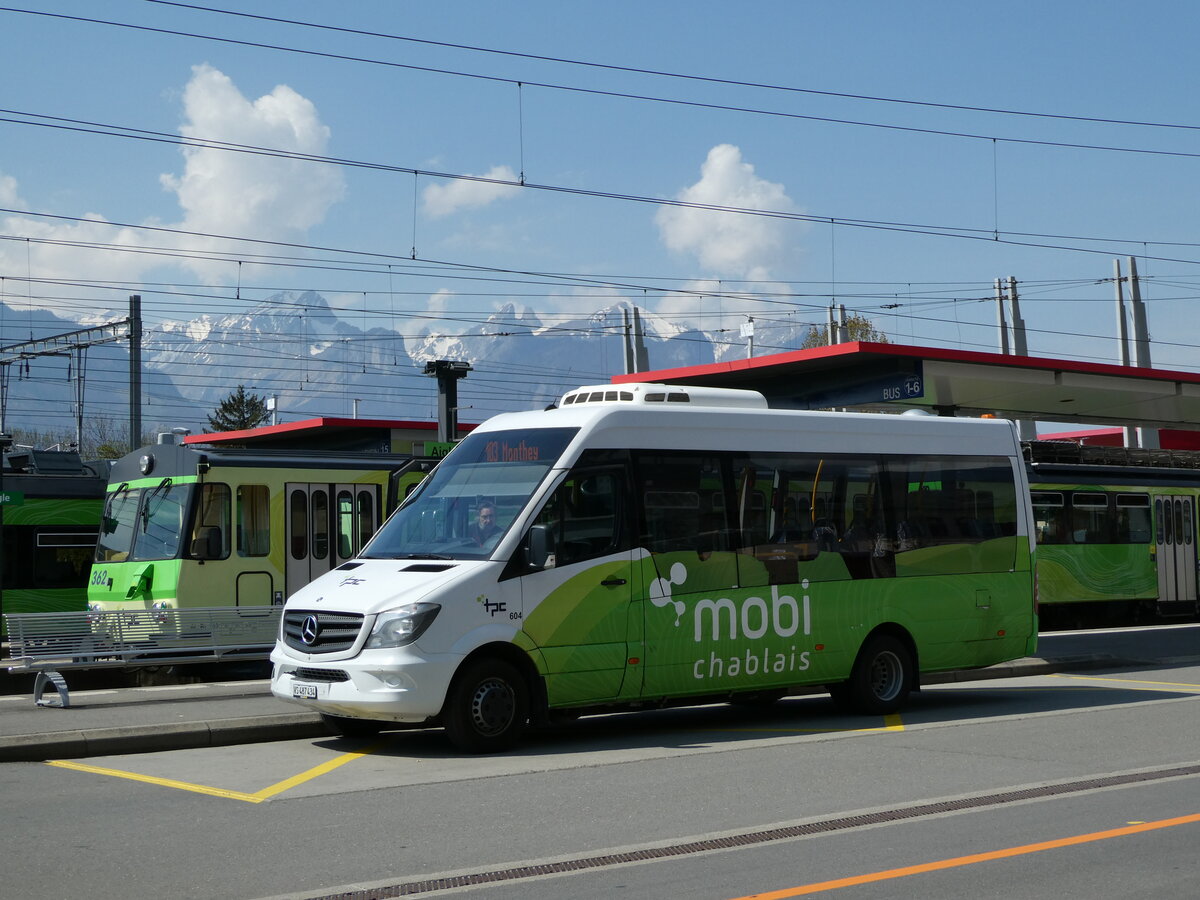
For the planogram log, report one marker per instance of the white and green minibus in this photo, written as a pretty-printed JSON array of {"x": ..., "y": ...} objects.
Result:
[{"x": 643, "y": 545}]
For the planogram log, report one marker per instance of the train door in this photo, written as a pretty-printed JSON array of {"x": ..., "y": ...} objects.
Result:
[
  {"x": 308, "y": 528},
  {"x": 1175, "y": 549},
  {"x": 356, "y": 516},
  {"x": 327, "y": 524}
]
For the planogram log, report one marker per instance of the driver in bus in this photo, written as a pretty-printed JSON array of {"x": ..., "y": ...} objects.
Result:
[{"x": 485, "y": 527}]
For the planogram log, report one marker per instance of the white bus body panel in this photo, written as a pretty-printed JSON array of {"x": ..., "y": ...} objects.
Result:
[{"x": 410, "y": 683}]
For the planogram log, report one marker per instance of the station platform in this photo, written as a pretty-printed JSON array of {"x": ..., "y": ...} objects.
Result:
[{"x": 111, "y": 720}]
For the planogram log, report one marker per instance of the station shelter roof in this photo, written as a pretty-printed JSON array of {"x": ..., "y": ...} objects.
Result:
[
  {"x": 877, "y": 376},
  {"x": 326, "y": 433}
]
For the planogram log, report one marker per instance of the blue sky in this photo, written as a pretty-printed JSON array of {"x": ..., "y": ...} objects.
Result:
[{"x": 570, "y": 135}]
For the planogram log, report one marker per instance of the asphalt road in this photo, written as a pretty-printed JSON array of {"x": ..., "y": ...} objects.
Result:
[{"x": 945, "y": 800}]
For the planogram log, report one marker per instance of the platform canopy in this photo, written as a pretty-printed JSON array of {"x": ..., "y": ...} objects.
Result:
[{"x": 870, "y": 376}]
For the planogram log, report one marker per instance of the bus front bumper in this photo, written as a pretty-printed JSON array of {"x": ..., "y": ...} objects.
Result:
[{"x": 386, "y": 688}]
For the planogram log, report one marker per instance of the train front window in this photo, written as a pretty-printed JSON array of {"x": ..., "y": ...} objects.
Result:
[
  {"x": 158, "y": 531},
  {"x": 117, "y": 525}
]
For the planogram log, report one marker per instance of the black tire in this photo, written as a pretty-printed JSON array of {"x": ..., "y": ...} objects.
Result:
[
  {"x": 881, "y": 679},
  {"x": 352, "y": 728},
  {"x": 487, "y": 708}
]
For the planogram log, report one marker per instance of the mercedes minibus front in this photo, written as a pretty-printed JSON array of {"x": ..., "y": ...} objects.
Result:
[{"x": 379, "y": 639}]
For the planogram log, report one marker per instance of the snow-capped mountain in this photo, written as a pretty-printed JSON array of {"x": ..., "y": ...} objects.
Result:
[{"x": 295, "y": 347}]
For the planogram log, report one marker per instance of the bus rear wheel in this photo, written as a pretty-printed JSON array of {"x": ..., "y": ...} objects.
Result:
[
  {"x": 881, "y": 679},
  {"x": 487, "y": 707}
]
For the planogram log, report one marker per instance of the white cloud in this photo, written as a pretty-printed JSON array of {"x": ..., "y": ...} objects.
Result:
[
  {"x": 8, "y": 193},
  {"x": 445, "y": 199},
  {"x": 219, "y": 192},
  {"x": 265, "y": 197},
  {"x": 730, "y": 244}
]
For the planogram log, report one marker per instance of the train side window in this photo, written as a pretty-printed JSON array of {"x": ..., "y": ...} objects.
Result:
[
  {"x": 298, "y": 513},
  {"x": 1050, "y": 517},
  {"x": 1089, "y": 518},
  {"x": 253, "y": 520},
  {"x": 210, "y": 531},
  {"x": 345, "y": 524},
  {"x": 1133, "y": 519},
  {"x": 60, "y": 558},
  {"x": 320, "y": 524}
]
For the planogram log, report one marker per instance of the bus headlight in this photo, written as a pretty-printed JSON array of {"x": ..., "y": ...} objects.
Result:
[{"x": 402, "y": 626}]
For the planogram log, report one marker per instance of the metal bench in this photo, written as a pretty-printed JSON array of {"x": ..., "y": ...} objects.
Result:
[{"x": 48, "y": 643}]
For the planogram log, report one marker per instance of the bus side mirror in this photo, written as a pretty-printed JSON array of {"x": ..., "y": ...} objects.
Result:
[{"x": 539, "y": 549}]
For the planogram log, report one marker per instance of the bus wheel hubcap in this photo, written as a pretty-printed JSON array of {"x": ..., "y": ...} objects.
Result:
[
  {"x": 887, "y": 676},
  {"x": 493, "y": 706}
]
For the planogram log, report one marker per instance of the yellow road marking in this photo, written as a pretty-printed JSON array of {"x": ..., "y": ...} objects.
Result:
[
  {"x": 162, "y": 782},
  {"x": 891, "y": 722},
  {"x": 960, "y": 861},
  {"x": 257, "y": 797},
  {"x": 1183, "y": 684},
  {"x": 315, "y": 772}
]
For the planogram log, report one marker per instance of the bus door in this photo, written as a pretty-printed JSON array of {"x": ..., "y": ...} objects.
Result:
[
  {"x": 1175, "y": 550},
  {"x": 580, "y": 600}
]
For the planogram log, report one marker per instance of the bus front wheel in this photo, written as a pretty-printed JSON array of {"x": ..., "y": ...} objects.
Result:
[
  {"x": 487, "y": 708},
  {"x": 881, "y": 679}
]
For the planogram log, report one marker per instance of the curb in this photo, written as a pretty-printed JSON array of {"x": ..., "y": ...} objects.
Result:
[{"x": 152, "y": 738}]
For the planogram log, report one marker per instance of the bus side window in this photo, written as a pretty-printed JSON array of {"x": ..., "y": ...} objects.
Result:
[
  {"x": 253, "y": 520},
  {"x": 583, "y": 519}
]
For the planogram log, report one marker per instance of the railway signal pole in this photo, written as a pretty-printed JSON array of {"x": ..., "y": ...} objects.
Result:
[{"x": 74, "y": 344}]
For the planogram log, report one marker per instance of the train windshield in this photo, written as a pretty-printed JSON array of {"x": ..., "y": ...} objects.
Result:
[
  {"x": 472, "y": 498},
  {"x": 143, "y": 523}
]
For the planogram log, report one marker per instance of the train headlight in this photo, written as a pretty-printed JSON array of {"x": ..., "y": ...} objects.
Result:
[{"x": 402, "y": 626}]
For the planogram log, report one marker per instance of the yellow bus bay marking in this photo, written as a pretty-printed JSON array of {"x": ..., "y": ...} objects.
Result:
[
  {"x": 257, "y": 797},
  {"x": 1177, "y": 684},
  {"x": 891, "y": 722},
  {"x": 151, "y": 779}
]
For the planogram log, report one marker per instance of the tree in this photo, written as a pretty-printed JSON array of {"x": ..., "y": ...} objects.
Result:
[
  {"x": 858, "y": 327},
  {"x": 239, "y": 411}
]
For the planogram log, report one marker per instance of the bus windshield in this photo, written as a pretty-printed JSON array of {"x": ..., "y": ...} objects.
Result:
[{"x": 465, "y": 507}]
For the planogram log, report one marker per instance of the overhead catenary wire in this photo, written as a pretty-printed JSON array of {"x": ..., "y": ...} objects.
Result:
[{"x": 262, "y": 45}]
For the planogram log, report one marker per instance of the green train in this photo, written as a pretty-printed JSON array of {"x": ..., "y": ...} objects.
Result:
[
  {"x": 187, "y": 527},
  {"x": 1116, "y": 532},
  {"x": 52, "y": 502}
]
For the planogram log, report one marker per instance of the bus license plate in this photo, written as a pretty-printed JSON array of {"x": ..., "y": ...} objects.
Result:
[{"x": 307, "y": 691}]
